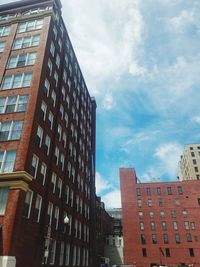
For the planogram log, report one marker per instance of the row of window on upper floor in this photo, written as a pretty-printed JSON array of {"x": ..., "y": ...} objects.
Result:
[
  {"x": 159, "y": 191},
  {"x": 187, "y": 225},
  {"x": 165, "y": 238},
  {"x": 162, "y": 213},
  {"x": 159, "y": 202},
  {"x": 166, "y": 252}
]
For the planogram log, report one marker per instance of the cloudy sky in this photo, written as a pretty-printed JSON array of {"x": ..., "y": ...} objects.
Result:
[{"x": 141, "y": 61}]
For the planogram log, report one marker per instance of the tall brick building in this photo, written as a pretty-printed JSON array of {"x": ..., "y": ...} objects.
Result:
[
  {"x": 47, "y": 142},
  {"x": 160, "y": 222}
]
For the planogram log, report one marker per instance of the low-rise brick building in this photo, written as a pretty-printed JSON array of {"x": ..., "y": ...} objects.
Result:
[{"x": 160, "y": 221}]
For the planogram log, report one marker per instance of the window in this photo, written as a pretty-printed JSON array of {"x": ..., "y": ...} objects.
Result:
[
  {"x": 46, "y": 88},
  {"x": 173, "y": 214},
  {"x": 47, "y": 144},
  {"x": 52, "y": 49},
  {"x": 180, "y": 190},
  {"x": 67, "y": 254},
  {"x": 74, "y": 256},
  {"x": 21, "y": 60},
  {"x": 58, "y": 60},
  {"x": 59, "y": 187},
  {"x": 56, "y": 77},
  {"x": 162, "y": 214},
  {"x": 148, "y": 191},
  {"x": 154, "y": 239},
  {"x": 53, "y": 98},
  {"x": 175, "y": 225},
  {"x": 2, "y": 46},
  {"x": 138, "y": 191},
  {"x": 160, "y": 202},
  {"x": 56, "y": 216},
  {"x": 50, "y": 119},
  {"x": 189, "y": 237},
  {"x": 25, "y": 42},
  {"x": 4, "y": 31},
  {"x": 149, "y": 202},
  {"x": 187, "y": 226},
  {"x": 139, "y": 203},
  {"x": 144, "y": 252},
  {"x": 164, "y": 226},
  {"x": 52, "y": 251},
  {"x": 192, "y": 225},
  {"x": 192, "y": 154},
  {"x": 169, "y": 190},
  {"x": 30, "y": 25},
  {"x": 184, "y": 212},
  {"x": 34, "y": 165},
  {"x": 151, "y": 214},
  {"x": 194, "y": 161},
  {"x": 177, "y": 202},
  {"x": 153, "y": 225},
  {"x": 39, "y": 136},
  {"x": 13, "y": 103},
  {"x": 165, "y": 239},
  {"x": 50, "y": 66},
  {"x": 10, "y": 130},
  {"x": 43, "y": 171},
  {"x": 167, "y": 252},
  {"x": 49, "y": 212},
  {"x": 7, "y": 160},
  {"x": 53, "y": 181},
  {"x": 3, "y": 199},
  {"x": 16, "y": 81},
  {"x": 158, "y": 190},
  {"x": 62, "y": 249},
  {"x": 141, "y": 226},
  {"x": 27, "y": 204},
  {"x": 191, "y": 252},
  {"x": 196, "y": 169},
  {"x": 37, "y": 210},
  {"x": 43, "y": 110},
  {"x": 143, "y": 239},
  {"x": 56, "y": 153},
  {"x": 177, "y": 239}
]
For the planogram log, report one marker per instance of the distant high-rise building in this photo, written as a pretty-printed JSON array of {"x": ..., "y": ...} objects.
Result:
[
  {"x": 47, "y": 142},
  {"x": 189, "y": 165},
  {"x": 160, "y": 222}
]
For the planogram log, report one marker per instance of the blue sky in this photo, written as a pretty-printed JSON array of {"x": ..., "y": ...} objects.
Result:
[{"x": 141, "y": 61}]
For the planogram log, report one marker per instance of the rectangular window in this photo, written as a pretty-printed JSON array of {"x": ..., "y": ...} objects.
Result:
[
  {"x": 144, "y": 252},
  {"x": 30, "y": 25},
  {"x": 148, "y": 191},
  {"x": 180, "y": 190},
  {"x": 74, "y": 256},
  {"x": 164, "y": 226},
  {"x": 160, "y": 202},
  {"x": 149, "y": 202},
  {"x": 21, "y": 60},
  {"x": 38, "y": 205},
  {"x": 52, "y": 251},
  {"x": 27, "y": 204},
  {"x": 39, "y": 136},
  {"x": 154, "y": 239},
  {"x": 2, "y": 46},
  {"x": 34, "y": 165},
  {"x": 169, "y": 190},
  {"x": 143, "y": 239},
  {"x": 167, "y": 252},
  {"x": 47, "y": 144},
  {"x": 50, "y": 212},
  {"x": 187, "y": 226},
  {"x": 15, "y": 81},
  {"x": 62, "y": 249},
  {"x": 46, "y": 88},
  {"x": 56, "y": 216},
  {"x": 43, "y": 171},
  {"x": 196, "y": 169},
  {"x": 25, "y": 42},
  {"x": 189, "y": 237},
  {"x": 7, "y": 161},
  {"x": 177, "y": 239},
  {"x": 140, "y": 213},
  {"x": 67, "y": 254},
  {"x": 153, "y": 225},
  {"x": 173, "y": 214},
  {"x": 10, "y": 130},
  {"x": 52, "y": 48},
  {"x": 175, "y": 225},
  {"x": 3, "y": 199},
  {"x": 141, "y": 226},
  {"x": 151, "y": 214},
  {"x": 138, "y": 191},
  {"x": 4, "y": 31},
  {"x": 165, "y": 239},
  {"x": 158, "y": 190},
  {"x": 192, "y": 225},
  {"x": 191, "y": 252}
]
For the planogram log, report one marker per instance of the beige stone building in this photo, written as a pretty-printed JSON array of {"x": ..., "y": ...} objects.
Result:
[{"x": 189, "y": 165}]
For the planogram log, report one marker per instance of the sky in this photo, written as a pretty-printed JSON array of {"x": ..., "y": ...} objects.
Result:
[{"x": 141, "y": 62}]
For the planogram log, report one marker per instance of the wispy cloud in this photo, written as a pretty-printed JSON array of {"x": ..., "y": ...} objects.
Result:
[
  {"x": 196, "y": 119},
  {"x": 112, "y": 199}
]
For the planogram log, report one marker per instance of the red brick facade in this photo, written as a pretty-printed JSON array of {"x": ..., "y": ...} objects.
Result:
[
  {"x": 49, "y": 179},
  {"x": 160, "y": 221}
]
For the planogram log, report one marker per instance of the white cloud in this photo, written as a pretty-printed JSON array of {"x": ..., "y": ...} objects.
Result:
[
  {"x": 180, "y": 22},
  {"x": 196, "y": 119},
  {"x": 107, "y": 36},
  {"x": 169, "y": 156},
  {"x": 112, "y": 199},
  {"x": 101, "y": 184}
]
